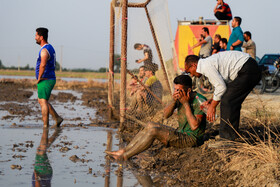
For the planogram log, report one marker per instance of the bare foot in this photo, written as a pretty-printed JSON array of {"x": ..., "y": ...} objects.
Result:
[
  {"x": 59, "y": 120},
  {"x": 117, "y": 155}
]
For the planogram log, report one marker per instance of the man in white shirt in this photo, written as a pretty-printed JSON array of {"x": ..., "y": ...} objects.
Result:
[{"x": 233, "y": 74}]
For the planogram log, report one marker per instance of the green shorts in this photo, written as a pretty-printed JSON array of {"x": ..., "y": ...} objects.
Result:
[
  {"x": 42, "y": 165},
  {"x": 45, "y": 88}
]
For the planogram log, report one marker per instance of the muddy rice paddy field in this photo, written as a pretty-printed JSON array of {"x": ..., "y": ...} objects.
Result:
[{"x": 76, "y": 155}]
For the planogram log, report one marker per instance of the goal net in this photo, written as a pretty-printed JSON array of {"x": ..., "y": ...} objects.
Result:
[{"x": 151, "y": 63}]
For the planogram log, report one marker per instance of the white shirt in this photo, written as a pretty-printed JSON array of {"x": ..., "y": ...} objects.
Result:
[{"x": 222, "y": 68}]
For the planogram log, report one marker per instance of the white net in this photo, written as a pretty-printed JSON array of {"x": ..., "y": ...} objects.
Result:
[{"x": 151, "y": 65}]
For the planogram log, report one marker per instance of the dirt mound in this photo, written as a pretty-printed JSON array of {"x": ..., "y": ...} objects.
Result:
[
  {"x": 63, "y": 97},
  {"x": 13, "y": 91}
]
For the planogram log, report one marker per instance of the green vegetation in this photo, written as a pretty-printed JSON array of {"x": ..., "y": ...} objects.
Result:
[
  {"x": 87, "y": 75},
  {"x": 101, "y": 73},
  {"x": 75, "y": 73}
]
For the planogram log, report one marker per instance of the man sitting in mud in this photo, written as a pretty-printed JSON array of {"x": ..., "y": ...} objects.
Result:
[
  {"x": 143, "y": 98},
  {"x": 191, "y": 119},
  {"x": 153, "y": 84}
]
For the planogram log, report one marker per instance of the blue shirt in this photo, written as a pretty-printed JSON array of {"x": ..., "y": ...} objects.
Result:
[
  {"x": 237, "y": 34},
  {"x": 49, "y": 72}
]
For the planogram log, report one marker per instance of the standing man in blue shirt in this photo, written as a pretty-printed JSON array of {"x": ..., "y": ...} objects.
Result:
[
  {"x": 45, "y": 75},
  {"x": 236, "y": 38}
]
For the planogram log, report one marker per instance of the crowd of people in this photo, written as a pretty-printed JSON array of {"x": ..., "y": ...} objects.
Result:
[
  {"x": 236, "y": 41},
  {"x": 233, "y": 74}
]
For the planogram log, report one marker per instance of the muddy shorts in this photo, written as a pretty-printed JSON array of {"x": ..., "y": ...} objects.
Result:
[
  {"x": 181, "y": 140},
  {"x": 45, "y": 88}
]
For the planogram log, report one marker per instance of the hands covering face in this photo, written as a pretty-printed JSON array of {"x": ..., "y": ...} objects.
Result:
[{"x": 181, "y": 95}]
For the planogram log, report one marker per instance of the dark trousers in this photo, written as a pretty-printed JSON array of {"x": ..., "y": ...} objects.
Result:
[
  {"x": 222, "y": 16},
  {"x": 237, "y": 90}
]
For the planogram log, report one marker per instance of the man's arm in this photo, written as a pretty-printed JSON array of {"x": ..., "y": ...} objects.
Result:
[
  {"x": 145, "y": 58},
  {"x": 169, "y": 109},
  {"x": 214, "y": 51},
  {"x": 44, "y": 59},
  {"x": 219, "y": 84},
  {"x": 240, "y": 39},
  {"x": 215, "y": 9},
  {"x": 222, "y": 9},
  {"x": 199, "y": 44},
  {"x": 233, "y": 45},
  {"x": 193, "y": 120},
  {"x": 212, "y": 110}
]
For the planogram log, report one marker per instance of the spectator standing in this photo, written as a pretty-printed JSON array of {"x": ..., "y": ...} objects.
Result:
[
  {"x": 236, "y": 38},
  {"x": 222, "y": 11},
  {"x": 216, "y": 47},
  {"x": 223, "y": 44},
  {"x": 249, "y": 45},
  {"x": 206, "y": 44},
  {"x": 148, "y": 55}
]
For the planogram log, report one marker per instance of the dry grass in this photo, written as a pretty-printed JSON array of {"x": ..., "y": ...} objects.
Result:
[
  {"x": 256, "y": 160},
  {"x": 88, "y": 75},
  {"x": 60, "y": 84}
]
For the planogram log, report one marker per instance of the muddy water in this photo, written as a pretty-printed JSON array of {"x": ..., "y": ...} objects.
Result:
[
  {"x": 72, "y": 111},
  {"x": 76, "y": 156},
  {"x": 87, "y": 145}
]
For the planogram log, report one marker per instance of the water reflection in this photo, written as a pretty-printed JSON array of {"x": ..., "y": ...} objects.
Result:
[
  {"x": 144, "y": 180},
  {"x": 108, "y": 162},
  {"x": 43, "y": 171}
]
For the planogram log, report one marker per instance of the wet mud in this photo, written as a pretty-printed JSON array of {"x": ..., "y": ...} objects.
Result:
[{"x": 157, "y": 166}]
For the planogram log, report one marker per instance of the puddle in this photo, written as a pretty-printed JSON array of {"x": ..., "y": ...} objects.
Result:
[
  {"x": 18, "y": 147},
  {"x": 88, "y": 144},
  {"x": 73, "y": 112}
]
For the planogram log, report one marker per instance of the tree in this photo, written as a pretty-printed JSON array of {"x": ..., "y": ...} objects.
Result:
[
  {"x": 2, "y": 65},
  {"x": 117, "y": 62},
  {"x": 57, "y": 66},
  {"x": 102, "y": 70},
  {"x": 26, "y": 67}
]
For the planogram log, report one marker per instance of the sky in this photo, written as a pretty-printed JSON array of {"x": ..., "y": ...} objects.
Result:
[{"x": 79, "y": 29}]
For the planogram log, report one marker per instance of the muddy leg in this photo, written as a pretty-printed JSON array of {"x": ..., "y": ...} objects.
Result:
[
  {"x": 55, "y": 116},
  {"x": 145, "y": 138},
  {"x": 134, "y": 141},
  {"x": 45, "y": 111},
  {"x": 142, "y": 141}
]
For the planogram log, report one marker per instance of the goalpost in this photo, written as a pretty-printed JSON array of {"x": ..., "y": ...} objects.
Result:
[{"x": 146, "y": 22}]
